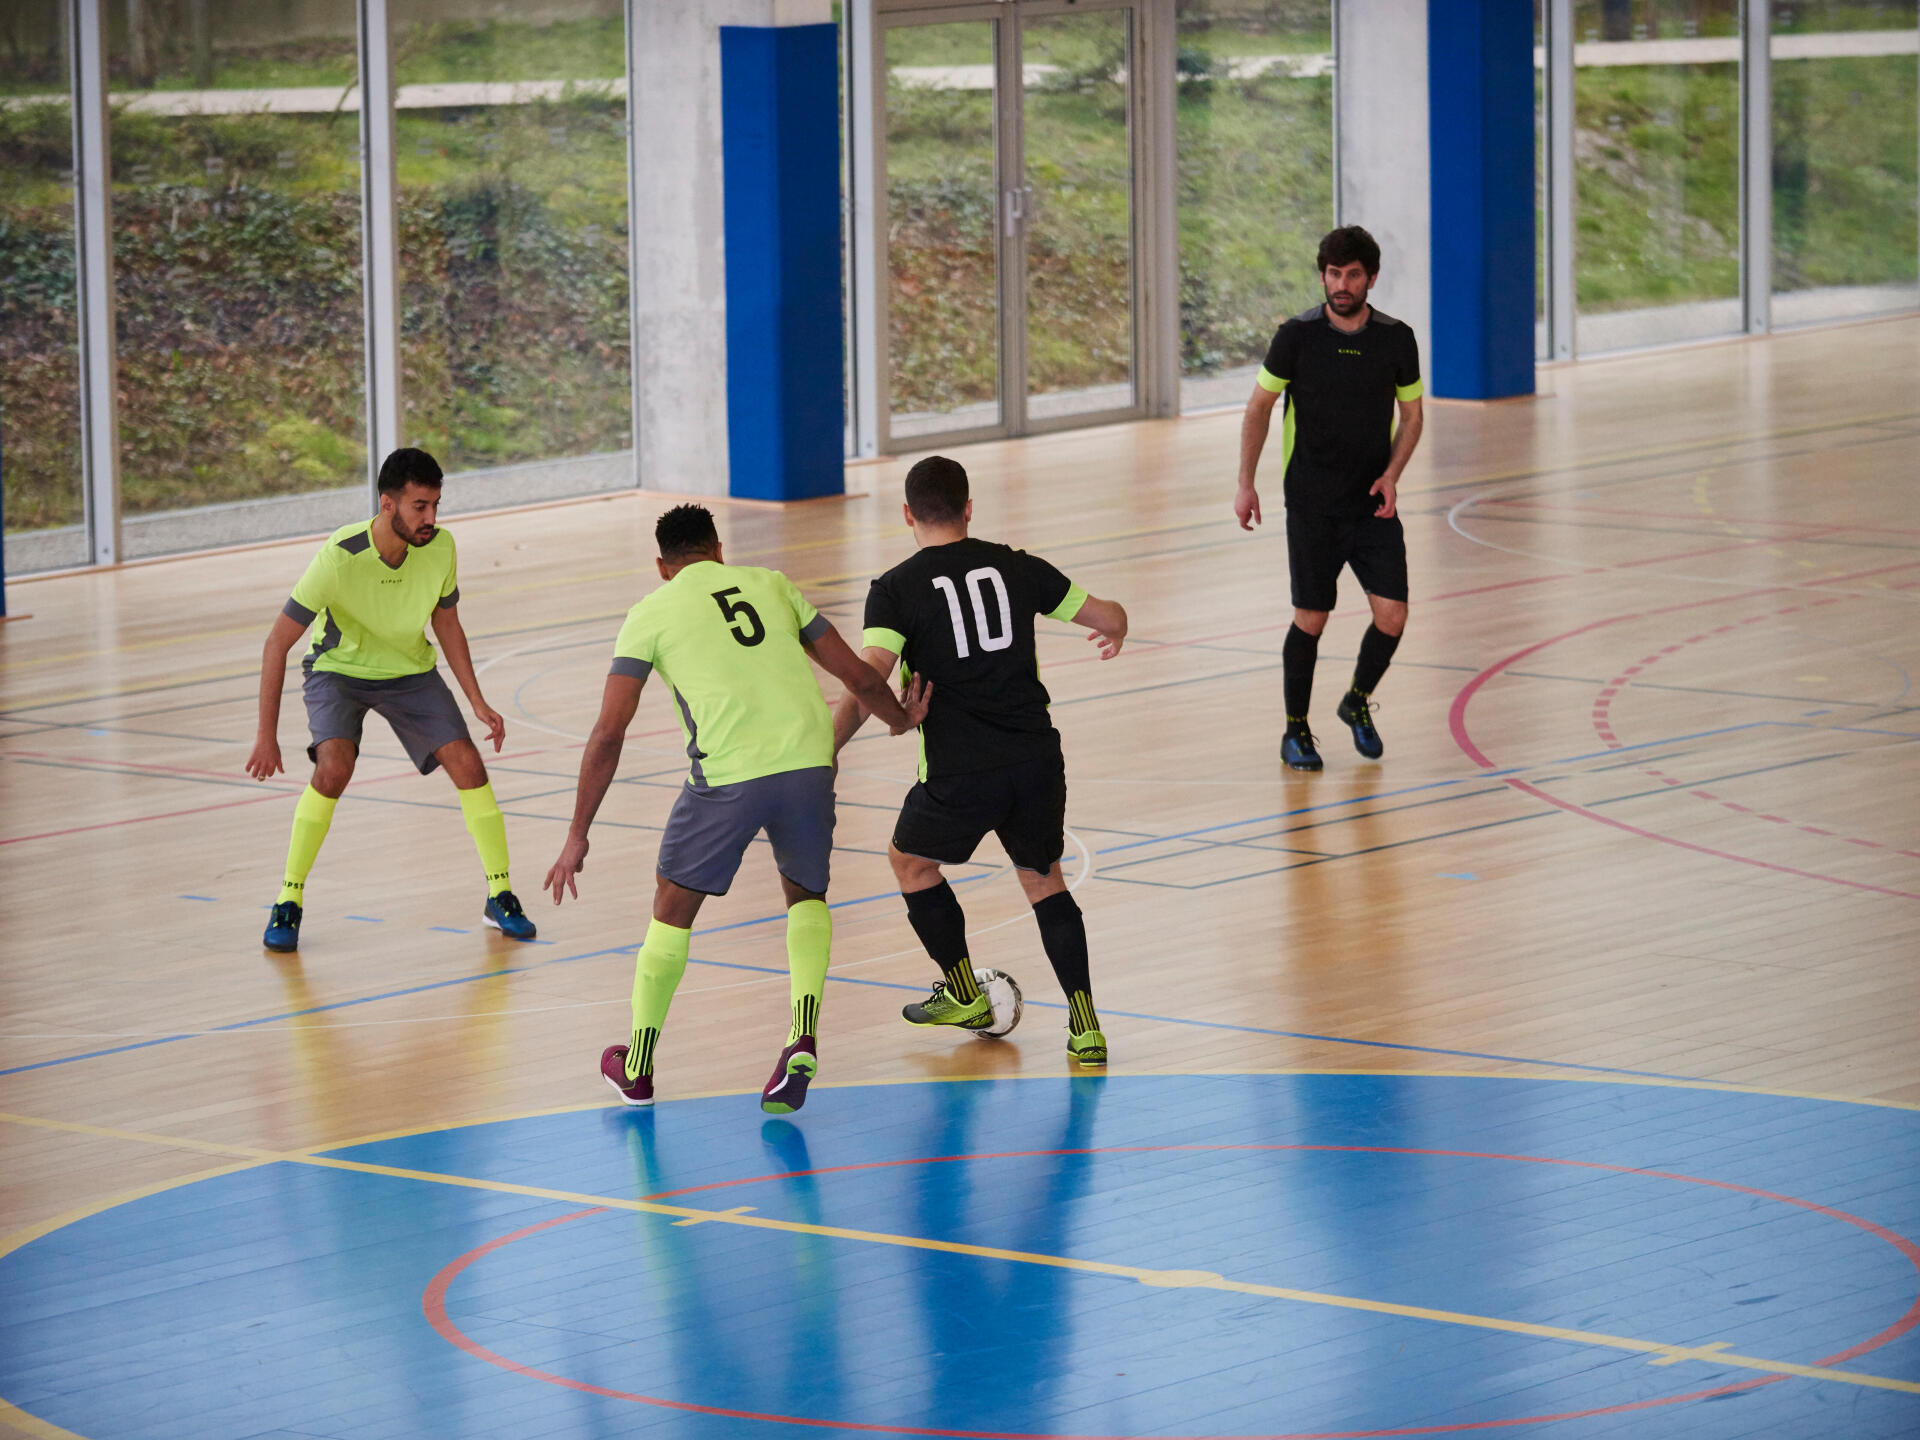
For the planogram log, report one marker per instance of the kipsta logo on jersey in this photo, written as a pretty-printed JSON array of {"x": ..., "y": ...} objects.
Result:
[{"x": 1349, "y": 350}]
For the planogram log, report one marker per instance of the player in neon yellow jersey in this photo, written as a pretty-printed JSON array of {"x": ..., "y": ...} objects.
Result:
[
  {"x": 369, "y": 596},
  {"x": 732, "y": 643}
]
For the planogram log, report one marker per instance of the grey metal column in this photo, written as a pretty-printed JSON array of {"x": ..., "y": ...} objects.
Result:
[
  {"x": 866, "y": 226},
  {"x": 1334, "y": 10},
  {"x": 1155, "y": 46},
  {"x": 1559, "y": 143},
  {"x": 1010, "y": 231},
  {"x": 1756, "y": 164},
  {"x": 635, "y": 360},
  {"x": 380, "y": 241},
  {"x": 93, "y": 236}
]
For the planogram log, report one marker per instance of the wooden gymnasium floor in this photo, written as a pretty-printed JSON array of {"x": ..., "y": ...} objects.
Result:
[{"x": 1561, "y": 1070}]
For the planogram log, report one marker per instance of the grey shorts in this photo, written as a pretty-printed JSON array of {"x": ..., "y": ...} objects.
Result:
[
  {"x": 712, "y": 825},
  {"x": 420, "y": 708}
]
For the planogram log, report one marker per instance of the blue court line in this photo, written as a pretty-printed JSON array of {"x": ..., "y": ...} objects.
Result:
[
  {"x": 1247, "y": 1029},
  {"x": 435, "y": 985},
  {"x": 1482, "y": 775}
]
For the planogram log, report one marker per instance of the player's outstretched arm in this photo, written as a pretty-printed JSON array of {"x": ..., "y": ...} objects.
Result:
[
  {"x": 832, "y": 655},
  {"x": 1107, "y": 619},
  {"x": 285, "y": 634},
  {"x": 598, "y": 762},
  {"x": 849, "y": 715},
  {"x": 452, "y": 636},
  {"x": 1253, "y": 439}
]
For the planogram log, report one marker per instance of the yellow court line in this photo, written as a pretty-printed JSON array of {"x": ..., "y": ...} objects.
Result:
[{"x": 1712, "y": 1353}]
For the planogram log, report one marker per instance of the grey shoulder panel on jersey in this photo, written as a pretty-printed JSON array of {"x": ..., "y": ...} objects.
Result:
[
  {"x": 1308, "y": 316},
  {"x": 357, "y": 542},
  {"x": 631, "y": 668},
  {"x": 815, "y": 628},
  {"x": 1380, "y": 317}
]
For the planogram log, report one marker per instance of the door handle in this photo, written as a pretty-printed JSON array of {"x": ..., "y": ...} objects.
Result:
[{"x": 1018, "y": 207}]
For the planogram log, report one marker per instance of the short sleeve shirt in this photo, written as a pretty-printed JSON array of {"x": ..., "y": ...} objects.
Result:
[
  {"x": 727, "y": 641},
  {"x": 962, "y": 616},
  {"x": 1341, "y": 389},
  {"x": 369, "y": 618}
]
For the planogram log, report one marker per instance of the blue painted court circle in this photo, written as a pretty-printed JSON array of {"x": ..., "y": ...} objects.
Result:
[{"x": 1016, "y": 1258}]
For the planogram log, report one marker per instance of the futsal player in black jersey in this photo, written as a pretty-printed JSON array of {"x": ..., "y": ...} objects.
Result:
[
  {"x": 1345, "y": 369},
  {"x": 960, "y": 614}
]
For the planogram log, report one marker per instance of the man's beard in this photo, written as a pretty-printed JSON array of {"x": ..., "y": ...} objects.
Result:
[
  {"x": 1345, "y": 303},
  {"x": 419, "y": 535}
]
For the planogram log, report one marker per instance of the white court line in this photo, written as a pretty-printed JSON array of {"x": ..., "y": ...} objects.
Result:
[{"x": 1814, "y": 588}]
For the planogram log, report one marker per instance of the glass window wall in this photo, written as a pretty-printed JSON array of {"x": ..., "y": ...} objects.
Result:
[
  {"x": 40, "y": 472},
  {"x": 1845, "y": 197},
  {"x": 1254, "y": 142},
  {"x": 1656, "y": 153},
  {"x": 236, "y": 240},
  {"x": 516, "y": 361}
]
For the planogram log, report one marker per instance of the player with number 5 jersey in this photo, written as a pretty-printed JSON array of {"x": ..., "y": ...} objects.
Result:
[
  {"x": 960, "y": 614},
  {"x": 732, "y": 644}
]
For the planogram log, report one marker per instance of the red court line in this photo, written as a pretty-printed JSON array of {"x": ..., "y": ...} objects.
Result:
[
  {"x": 434, "y": 1307},
  {"x": 1457, "y": 723}
]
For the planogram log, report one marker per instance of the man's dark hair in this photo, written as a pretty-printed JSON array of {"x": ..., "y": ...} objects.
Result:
[
  {"x": 685, "y": 530},
  {"x": 408, "y": 467},
  {"x": 1348, "y": 244},
  {"x": 937, "y": 491}
]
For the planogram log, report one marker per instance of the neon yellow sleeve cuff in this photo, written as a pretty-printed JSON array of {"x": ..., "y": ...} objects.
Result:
[
  {"x": 1410, "y": 392},
  {"x": 1267, "y": 380},
  {"x": 1069, "y": 607},
  {"x": 879, "y": 637}
]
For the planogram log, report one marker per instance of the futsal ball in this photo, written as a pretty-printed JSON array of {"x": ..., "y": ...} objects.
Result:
[{"x": 1003, "y": 994}]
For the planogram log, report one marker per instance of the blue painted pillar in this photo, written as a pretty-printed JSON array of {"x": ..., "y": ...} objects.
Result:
[
  {"x": 779, "y": 103},
  {"x": 1480, "y": 140}
]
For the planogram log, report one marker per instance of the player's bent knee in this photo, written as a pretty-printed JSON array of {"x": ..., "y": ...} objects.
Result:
[
  {"x": 1390, "y": 616},
  {"x": 461, "y": 760},
  {"x": 912, "y": 871},
  {"x": 1311, "y": 621}
]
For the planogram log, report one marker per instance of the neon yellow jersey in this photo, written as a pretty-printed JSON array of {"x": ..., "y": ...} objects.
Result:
[
  {"x": 727, "y": 640},
  {"x": 372, "y": 616}
]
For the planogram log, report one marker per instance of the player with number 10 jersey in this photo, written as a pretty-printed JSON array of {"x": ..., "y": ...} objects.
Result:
[{"x": 960, "y": 615}]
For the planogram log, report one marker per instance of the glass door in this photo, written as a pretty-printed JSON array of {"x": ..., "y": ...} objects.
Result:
[
  {"x": 1008, "y": 186},
  {"x": 942, "y": 260},
  {"x": 1073, "y": 214}
]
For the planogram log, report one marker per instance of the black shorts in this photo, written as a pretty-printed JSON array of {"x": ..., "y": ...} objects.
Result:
[
  {"x": 945, "y": 818},
  {"x": 1320, "y": 546}
]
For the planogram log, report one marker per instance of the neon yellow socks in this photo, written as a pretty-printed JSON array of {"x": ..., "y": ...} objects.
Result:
[
  {"x": 809, "y": 941},
  {"x": 489, "y": 830},
  {"x": 656, "y": 975},
  {"x": 312, "y": 815}
]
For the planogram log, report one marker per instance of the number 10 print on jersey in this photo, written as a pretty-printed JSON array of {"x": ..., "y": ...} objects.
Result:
[{"x": 961, "y": 615}]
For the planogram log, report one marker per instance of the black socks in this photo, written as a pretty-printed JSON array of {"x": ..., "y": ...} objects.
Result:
[
  {"x": 1297, "y": 655},
  {"x": 1376, "y": 649},
  {"x": 1063, "y": 932},
  {"x": 941, "y": 924}
]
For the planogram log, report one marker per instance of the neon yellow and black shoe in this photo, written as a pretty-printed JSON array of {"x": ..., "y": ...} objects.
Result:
[
  {"x": 1089, "y": 1047},
  {"x": 940, "y": 1008}
]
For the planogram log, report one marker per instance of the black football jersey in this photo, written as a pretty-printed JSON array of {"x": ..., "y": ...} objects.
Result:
[{"x": 962, "y": 616}]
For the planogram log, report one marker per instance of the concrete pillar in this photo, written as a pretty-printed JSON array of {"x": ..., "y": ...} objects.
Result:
[
  {"x": 1382, "y": 128},
  {"x": 679, "y": 237},
  {"x": 1481, "y": 179}
]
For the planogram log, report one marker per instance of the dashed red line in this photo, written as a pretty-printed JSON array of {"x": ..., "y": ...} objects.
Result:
[{"x": 1463, "y": 737}]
